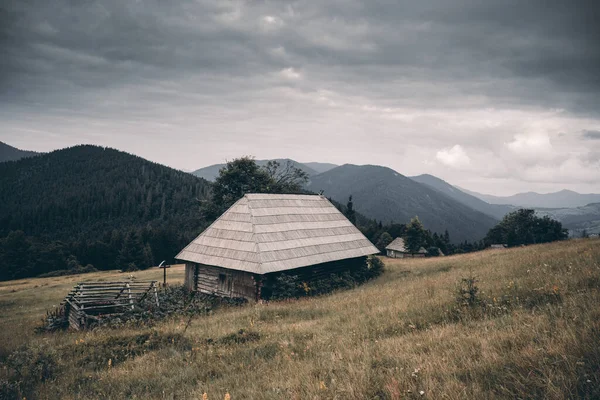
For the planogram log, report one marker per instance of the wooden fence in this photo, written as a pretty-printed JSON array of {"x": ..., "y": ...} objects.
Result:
[{"x": 91, "y": 301}]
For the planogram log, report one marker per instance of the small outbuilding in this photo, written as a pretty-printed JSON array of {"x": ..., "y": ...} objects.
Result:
[
  {"x": 263, "y": 235},
  {"x": 397, "y": 249}
]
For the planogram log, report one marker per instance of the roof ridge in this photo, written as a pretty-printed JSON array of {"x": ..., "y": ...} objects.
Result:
[{"x": 254, "y": 237}]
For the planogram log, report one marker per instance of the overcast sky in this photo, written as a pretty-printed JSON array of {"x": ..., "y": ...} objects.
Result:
[{"x": 493, "y": 96}]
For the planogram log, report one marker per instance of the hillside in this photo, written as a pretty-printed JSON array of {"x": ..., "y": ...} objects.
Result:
[
  {"x": 494, "y": 210},
  {"x": 383, "y": 194},
  {"x": 84, "y": 201},
  {"x": 533, "y": 335},
  {"x": 576, "y": 219},
  {"x": 561, "y": 199},
  {"x": 211, "y": 172},
  {"x": 9, "y": 153}
]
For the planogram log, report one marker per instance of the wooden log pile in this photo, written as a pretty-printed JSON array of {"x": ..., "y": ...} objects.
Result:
[{"x": 89, "y": 302}]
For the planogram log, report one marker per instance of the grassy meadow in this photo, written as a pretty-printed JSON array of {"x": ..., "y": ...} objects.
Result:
[{"x": 531, "y": 331}]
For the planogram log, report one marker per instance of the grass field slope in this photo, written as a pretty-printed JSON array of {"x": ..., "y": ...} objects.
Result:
[{"x": 532, "y": 330}]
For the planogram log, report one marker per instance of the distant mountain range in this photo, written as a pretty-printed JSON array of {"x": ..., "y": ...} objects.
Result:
[
  {"x": 211, "y": 172},
  {"x": 383, "y": 194},
  {"x": 561, "y": 199},
  {"x": 495, "y": 210},
  {"x": 576, "y": 219},
  {"x": 397, "y": 199},
  {"x": 9, "y": 153}
]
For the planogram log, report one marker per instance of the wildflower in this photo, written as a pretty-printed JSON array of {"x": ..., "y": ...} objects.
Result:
[
  {"x": 227, "y": 396},
  {"x": 422, "y": 392}
]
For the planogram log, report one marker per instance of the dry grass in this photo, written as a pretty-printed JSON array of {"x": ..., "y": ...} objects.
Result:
[{"x": 396, "y": 337}]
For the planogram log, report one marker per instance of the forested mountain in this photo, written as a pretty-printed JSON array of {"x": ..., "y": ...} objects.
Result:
[
  {"x": 102, "y": 206},
  {"x": 497, "y": 211},
  {"x": 561, "y": 199},
  {"x": 9, "y": 153},
  {"x": 211, "y": 172},
  {"x": 384, "y": 194}
]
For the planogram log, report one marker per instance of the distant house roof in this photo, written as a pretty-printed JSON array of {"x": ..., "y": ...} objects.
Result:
[
  {"x": 397, "y": 245},
  {"x": 263, "y": 233}
]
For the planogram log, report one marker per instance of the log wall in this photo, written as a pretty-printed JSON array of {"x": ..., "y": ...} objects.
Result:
[{"x": 221, "y": 281}]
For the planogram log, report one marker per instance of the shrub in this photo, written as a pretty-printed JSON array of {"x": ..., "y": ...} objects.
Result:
[{"x": 467, "y": 292}]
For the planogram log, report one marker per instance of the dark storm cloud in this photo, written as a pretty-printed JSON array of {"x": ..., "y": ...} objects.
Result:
[
  {"x": 474, "y": 89},
  {"x": 537, "y": 52}
]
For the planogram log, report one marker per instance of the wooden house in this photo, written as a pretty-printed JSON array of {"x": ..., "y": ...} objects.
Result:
[
  {"x": 397, "y": 249},
  {"x": 263, "y": 235}
]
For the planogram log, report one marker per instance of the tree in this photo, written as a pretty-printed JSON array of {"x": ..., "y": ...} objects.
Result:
[
  {"x": 350, "y": 213},
  {"x": 384, "y": 240},
  {"x": 523, "y": 227},
  {"x": 243, "y": 175},
  {"x": 285, "y": 179},
  {"x": 415, "y": 235}
]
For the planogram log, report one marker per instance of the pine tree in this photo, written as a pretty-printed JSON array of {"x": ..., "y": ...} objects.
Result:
[
  {"x": 350, "y": 213},
  {"x": 415, "y": 235}
]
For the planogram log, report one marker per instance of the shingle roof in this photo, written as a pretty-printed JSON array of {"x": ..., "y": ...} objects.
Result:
[
  {"x": 397, "y": 245},
  {"x": 263, "y": 233}
]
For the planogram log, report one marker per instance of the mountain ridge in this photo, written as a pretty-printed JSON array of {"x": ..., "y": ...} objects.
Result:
[
  {"x": 494, "y": 210},
  {"x": 561, "y": 199},
  {"x": 211, "y": 172},
  {"x": 384, "y": 194},
  {"x": 10, "y": 153}
]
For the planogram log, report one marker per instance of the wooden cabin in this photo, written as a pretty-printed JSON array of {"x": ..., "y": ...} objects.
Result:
[
  {"x": 397, "y": 249},
  {"x": 263, "y": 235}
]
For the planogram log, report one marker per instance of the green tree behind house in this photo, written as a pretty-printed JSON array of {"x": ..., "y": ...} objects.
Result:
[
  {"x": 416, "y": 236},
  {"x": 243, "y": 175}
]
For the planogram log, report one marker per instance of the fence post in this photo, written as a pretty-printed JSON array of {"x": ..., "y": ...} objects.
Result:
[
  {"x": 155, "y": 293},
  {"x": 129, "y": 292}
]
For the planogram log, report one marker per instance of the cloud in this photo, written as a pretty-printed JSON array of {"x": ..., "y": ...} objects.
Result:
[
  {"x": 454, "y": 157},
  {"x": 270, "y": 23},
  {"x": 532, "y": 146},
  {"x": 203, "y": 78},
  {"x": 290, "y": 73},
  {"x": 591, "y": 135}
]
